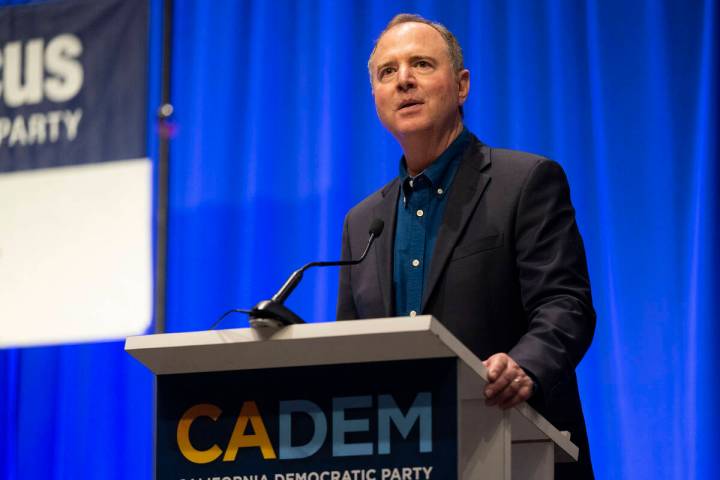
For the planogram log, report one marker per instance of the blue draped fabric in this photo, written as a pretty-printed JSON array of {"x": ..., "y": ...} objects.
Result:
[{"x": 277, "y": 138}]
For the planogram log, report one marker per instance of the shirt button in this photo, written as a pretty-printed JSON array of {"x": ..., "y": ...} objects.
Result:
[
  {"x": 412, "y": 182},
  {"x": 419, "y": 213},
  {"x": 415, "y": 262},
  {"x": 413, "y": 313},
  {"x": 439, "y": 191}
]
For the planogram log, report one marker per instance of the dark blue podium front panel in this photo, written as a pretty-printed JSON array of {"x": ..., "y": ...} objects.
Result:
[{"x": 372, "y": 421}]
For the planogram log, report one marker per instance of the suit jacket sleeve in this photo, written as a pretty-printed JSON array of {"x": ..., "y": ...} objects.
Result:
[
  {"x": 554, "y": 281},
  {"x": 345, "y": 305}
]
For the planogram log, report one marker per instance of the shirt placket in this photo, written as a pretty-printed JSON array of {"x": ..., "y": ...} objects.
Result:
[{"x": 419, "y": 203}]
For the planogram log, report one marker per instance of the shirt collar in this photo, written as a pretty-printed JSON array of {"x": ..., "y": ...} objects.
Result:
[{"x": 438, "y": 169}]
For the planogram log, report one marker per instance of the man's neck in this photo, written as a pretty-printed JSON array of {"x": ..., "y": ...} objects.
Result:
[{"x": 423, "y": 148}]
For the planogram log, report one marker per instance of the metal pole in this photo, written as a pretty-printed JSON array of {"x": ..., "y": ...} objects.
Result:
[{"x": 164, "y": 114}]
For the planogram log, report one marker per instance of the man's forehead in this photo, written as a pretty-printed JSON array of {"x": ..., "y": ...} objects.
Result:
[{"x": 410, "y": 38}]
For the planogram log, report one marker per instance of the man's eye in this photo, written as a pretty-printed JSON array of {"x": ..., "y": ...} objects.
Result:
[
  {"x": 423, "y": 64},
  {"x": 386, "y": 71}
]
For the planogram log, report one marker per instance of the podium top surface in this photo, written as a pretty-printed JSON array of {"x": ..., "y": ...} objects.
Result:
[
  {"x": 307, "y": 344},
  {"x": 355, "y": 341}
]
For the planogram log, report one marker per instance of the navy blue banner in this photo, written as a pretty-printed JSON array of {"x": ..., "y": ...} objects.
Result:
[
  {"x": 376, "y": 421},
  {"x": 72, "y": 83}
]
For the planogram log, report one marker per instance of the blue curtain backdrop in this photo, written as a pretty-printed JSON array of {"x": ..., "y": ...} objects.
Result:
[{"x": 277, "y": 138}]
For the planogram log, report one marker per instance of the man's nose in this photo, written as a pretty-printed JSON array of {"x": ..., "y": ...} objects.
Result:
[{"x": 406, "y": 79}]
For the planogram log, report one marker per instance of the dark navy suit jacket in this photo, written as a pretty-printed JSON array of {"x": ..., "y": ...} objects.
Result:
[{"x": 508, "y": 274}]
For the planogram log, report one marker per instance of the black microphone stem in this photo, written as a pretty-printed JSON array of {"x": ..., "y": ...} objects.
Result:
[
  {"x": 274, "y": 313},
  {"x": 297, "y": 275}
]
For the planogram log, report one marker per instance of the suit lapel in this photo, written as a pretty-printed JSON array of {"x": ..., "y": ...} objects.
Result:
[
  {"x": 386, "y": 210},
  {"x": 466, "y": 191}
]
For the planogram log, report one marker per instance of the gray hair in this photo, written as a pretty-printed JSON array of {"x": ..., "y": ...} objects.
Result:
[{"x": 454, "y": 50}]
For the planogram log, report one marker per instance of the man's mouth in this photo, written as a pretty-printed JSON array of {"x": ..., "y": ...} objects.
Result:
[{"x": 409, "y": 103}]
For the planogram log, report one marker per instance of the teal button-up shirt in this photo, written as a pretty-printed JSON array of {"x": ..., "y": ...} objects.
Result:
[{"x": 419, "y": 215}]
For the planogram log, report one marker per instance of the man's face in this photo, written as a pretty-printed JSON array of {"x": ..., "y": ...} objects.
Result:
[{"x": 413, "y": 81}]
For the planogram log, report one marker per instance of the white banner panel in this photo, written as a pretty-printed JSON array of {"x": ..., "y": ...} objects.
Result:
[{"x": 75, "y": 256}]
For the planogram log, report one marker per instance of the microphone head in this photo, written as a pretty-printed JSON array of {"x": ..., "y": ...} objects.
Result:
[{"x": 376, "y": 227}]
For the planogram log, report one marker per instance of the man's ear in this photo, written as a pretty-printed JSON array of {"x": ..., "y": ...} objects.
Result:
[{"x": 463, "y": 79}]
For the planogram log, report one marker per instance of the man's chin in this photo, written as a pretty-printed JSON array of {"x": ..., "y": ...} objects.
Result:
[{"x": 408, "y": 129}]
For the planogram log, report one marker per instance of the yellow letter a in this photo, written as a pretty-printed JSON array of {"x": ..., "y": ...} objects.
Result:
[{"x": 249, "y": 413}]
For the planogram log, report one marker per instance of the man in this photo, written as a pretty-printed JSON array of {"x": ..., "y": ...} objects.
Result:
[{"x": 483, "y": 239}]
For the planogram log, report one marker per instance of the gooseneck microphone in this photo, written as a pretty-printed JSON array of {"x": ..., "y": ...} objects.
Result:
[
  {"x": 376, "y": 228},
  {"x": 273, "y": 312}
]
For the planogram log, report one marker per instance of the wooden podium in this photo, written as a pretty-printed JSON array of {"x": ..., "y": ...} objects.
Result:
[{"x": 342, "y": 388}]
